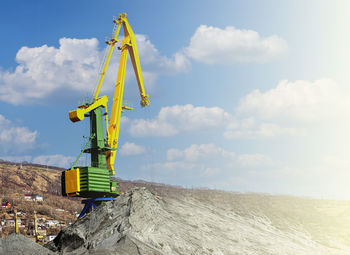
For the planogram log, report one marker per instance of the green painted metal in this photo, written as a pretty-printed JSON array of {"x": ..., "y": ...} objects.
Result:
[
  {"x": 76, "y": 161},
  {"x": 98, "y": 143},
  {"x": 95, "y": 181}
]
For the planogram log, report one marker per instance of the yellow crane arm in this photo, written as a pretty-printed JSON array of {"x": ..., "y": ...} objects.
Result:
[
  {"x": 111, "y": 44},
  {"x": 130, "y": 42},
  {"x": 128, "y": 45}
]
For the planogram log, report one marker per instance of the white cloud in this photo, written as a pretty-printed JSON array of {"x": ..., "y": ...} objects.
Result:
[
  {"x": 152, "y": 60},
  {"x": 48, "y": 73},
  {"x": 300, "y": 100},
  {"x": 203, "y": 162},
  {"x": 211, "y": 171},
  {"x": 170, "y": 166},
  {"x": 290, "y": 109},
  {"x": 54, "y": 160},
  {"x": 212, "y": 45},
  {"x": 141, "y": 127},
  {"x": 128, "y": 149},
  {"x": 41, "y": 71},
  {"x": 211, "y": 153},
  {"x": 198, "y": 152},
  {"x": 173, "y": 119},
  {"x": 15, "y": 139},
  {"x": 254, "y": 160},
  {"x": 250, "y": 128}
]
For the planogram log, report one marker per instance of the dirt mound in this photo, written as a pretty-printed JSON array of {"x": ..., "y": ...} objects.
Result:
[
  {"x": 140, "y": 222},
  {"x": 20, "y": 245}
]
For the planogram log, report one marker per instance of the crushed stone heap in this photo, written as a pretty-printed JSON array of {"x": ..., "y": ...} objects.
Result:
[
  {"x": 139, "y": 222},
  {"x": 16, "y": 244},
  {"x": 117, "y": 227}
]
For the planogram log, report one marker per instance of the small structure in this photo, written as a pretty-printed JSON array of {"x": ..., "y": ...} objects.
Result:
[
  {"x": 51, "y": 223},
  {"x": 10, "y": 223},
  {"x": 28, "y": 197},
  {"x": 6, "y": 205},
  {"x": 38, "y": 198},
  {"x": 32, "y": 197}
]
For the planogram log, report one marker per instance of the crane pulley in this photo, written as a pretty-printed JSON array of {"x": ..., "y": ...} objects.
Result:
[{"x": 95, "y": 180}]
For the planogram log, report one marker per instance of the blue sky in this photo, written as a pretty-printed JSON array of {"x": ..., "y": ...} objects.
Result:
[{"x": 245, "y": 95}]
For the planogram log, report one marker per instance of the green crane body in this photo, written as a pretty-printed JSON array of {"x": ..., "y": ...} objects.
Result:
[{"x": 95, "y": 181}]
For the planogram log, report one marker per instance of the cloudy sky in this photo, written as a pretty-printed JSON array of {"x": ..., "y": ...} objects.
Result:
[{"x": 249, "y": 96}]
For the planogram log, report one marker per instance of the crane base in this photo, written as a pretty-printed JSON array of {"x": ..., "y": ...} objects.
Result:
[
  {"x": 92, "y": 203},
  {"x": 88, "y": 182}
]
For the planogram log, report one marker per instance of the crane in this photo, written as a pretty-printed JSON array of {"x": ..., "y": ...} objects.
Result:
[
  {"x": 38, "y": 237},
  {"x": 94, "y": 182}
]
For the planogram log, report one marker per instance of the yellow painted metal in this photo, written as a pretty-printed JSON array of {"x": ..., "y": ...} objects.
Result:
[
  {"x": 36, "y": 232},
  {"x": 72, "y": 179},
  {"x": 79, "y": 114},
  {"x": 76, "y": 115},
  {"x": 111, "y": 43},
  {"x": 128, "y": 45},
  {"x": 16, "y": 222}
]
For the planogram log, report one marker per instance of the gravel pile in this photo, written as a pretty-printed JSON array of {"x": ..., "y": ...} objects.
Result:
[
  {"x": 207, "y": 222},
  {"x": 16, "y": 244}
]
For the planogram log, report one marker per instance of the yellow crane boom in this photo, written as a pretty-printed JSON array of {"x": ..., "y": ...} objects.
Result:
[{"x": 128, "y": 45}]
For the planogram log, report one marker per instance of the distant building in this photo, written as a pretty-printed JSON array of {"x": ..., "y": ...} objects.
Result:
[
  {"x": 6, "y": 205},
  {"x": 20, "y": 213},
  {"x": 28, "y": 197},
  {"x": 38, "y": 198},
  {"x": 10, "y": 223},
  {"x": 51, "y": 223},
  {"x": 31, "y": 197},
  {"x": 42, "y": 232}
]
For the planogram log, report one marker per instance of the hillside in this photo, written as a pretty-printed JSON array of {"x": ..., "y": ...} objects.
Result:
[{"x": 16, "y": 181}]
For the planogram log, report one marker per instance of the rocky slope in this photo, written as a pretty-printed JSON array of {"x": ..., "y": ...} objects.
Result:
[{"x": 209, "y": 222}]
